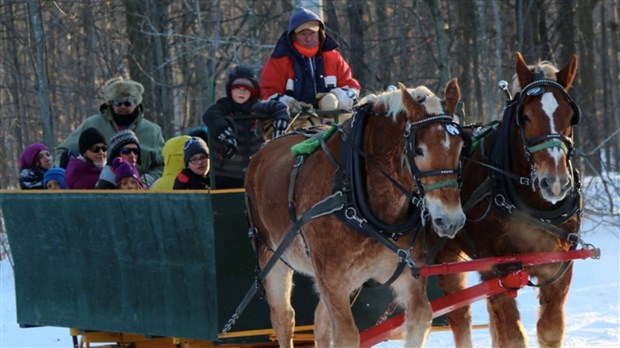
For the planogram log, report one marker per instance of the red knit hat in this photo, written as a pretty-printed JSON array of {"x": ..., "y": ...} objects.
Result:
[{"x": 242, "y": 82}]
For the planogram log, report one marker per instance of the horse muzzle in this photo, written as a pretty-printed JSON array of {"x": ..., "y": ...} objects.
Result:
[
  {"x": 555, "y": 188},
  {"x": 446, "y": 222}
]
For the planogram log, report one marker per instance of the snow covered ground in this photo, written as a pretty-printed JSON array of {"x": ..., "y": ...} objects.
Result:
[{"x": 593, "y": 307}]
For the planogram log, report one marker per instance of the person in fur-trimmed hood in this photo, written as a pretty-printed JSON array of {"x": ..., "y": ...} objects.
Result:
[
  {"x": 306, "y": 67},
  {"x": 123, "y": 110},
  {"x": 235, "y": 138}
]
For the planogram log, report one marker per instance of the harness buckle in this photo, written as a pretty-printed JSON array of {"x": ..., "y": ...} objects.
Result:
[
  {"x": 417, "y": 201},
  {"x": 252, "y": 232},
  {"x": 405, "y": 256},
  {"x": 534, "y": 176},
  {"x": 351, "y": 214},
  {"x": 500, "y": 201},
  {"x": 524, "y": 181},
  {"x": 300, "y": 161}
]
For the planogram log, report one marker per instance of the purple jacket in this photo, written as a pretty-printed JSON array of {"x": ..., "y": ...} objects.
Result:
[{"x": 81, "y": 174}]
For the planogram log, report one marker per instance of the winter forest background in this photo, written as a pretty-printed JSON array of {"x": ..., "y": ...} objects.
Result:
[{"x": 56, "y": 55}]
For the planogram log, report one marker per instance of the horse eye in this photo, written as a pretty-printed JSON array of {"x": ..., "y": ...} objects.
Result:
[{"x": 525, "y": 118}]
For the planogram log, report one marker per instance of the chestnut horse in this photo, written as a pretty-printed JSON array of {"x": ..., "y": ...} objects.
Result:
[
  {"x": 408, "y": 165},
  {"x": 530, "y": 203}
]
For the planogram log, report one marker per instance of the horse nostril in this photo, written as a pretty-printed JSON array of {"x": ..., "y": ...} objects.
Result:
[
  {"x": 544, "y": 183},
  {"x": 438, "y": 221}
]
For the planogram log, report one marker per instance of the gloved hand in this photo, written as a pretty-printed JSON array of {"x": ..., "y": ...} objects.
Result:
[
  {"x": 279, "y": 127},
  {"x": 228, "y": 138},
  {"x": 296, "y": 106},
  {"x": 327, "y": 101},
  {"x": 347, "y": 97}
]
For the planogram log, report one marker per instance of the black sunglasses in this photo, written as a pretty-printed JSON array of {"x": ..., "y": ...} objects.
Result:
[
  {"x": 96, "y": 148},
  {"x": 128, "y": 150},
  {"x": 119, "y": 103}
]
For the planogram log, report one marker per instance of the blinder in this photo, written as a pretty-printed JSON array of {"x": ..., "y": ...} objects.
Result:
[
  {"x": 453, "y": 129},
  {"x": 537, "y": 88}
]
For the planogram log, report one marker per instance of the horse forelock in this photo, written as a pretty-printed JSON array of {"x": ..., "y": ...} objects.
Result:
[{"x": 549, "y": 71}]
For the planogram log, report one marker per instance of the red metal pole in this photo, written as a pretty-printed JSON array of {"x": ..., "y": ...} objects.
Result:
[
  {"x": 486, "y": 264},
  {"x": 508, "y": 284}
]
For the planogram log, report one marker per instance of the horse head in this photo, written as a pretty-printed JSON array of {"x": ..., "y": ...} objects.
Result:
[
  {"x": 435, "y": 145},
  {"x": 545, "y": 116}
]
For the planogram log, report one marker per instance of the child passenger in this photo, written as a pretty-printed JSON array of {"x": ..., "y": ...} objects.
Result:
[
  {"x": 126, "y": 176},
  {"x": 33, "y": 163},
  {"x": 233, "y": 144},
  {"x": 195, "y": 175},
  {"x": 54, "y": 179}
]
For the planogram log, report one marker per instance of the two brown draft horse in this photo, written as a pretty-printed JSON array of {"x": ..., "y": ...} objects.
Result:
[
  {"x": 337, "y": 212},
  {"x": 530, "y": 202}
]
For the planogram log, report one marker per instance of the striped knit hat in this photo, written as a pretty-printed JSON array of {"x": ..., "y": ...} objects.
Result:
[{"x": 120, "y": 139}]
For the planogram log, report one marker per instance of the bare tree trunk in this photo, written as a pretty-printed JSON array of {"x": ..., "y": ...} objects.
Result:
[
  {"x": 355, "y": 11},
  {"x": 462, "y": 57},
  {"x": 566, "y": 31},
  {"x": 402, "y": 44},
  {"x": 614, "y": 79},
  {"x": 212, "y": 67},
  {"x": 484, "y": 59},
  {"x": 588, "y": 134},
  {"x": 41, "y": 72},
  {"x": 604, "y": 71},
  {"x": 160, "y": 86},
  {"x": 499, "y": 73},
  {"x": 442, "y": 43},
  {"x": 331, "y": 19},
  {"x": 384, "y": 45}
]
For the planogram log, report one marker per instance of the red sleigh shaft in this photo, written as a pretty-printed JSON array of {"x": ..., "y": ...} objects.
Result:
[{"x": 486, "y": 264}]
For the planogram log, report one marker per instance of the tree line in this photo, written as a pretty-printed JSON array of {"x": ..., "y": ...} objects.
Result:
[{"x": 56, "y": 55}]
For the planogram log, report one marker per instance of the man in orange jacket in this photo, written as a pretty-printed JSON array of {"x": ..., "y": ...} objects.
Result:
[{"x": 305, "y": 65}]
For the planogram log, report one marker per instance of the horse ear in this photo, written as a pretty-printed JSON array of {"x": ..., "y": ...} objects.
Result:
[
  {"x": 566, "y": 76},
  {"x": 525, "y": 75},
  {"x": 408, "y": 101},
  {"x": 452, "y": 95}
]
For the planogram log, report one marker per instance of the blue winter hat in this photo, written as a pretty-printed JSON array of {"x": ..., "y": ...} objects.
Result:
[
  {"x": 300, "y": 16},
  {"x": 57, "y": 174}
]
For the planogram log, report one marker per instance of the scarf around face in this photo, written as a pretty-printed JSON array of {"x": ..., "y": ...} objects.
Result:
[
  {"x": 123, "y": 121},
  {"x": 306, "y": 52}
]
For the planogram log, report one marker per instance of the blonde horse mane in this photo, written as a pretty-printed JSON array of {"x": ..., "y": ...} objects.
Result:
[
  {"x": 546, "y": 66},
  {"x": 392, "y": 100}
]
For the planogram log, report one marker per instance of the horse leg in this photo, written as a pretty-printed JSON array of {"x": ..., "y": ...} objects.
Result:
[
  {"x": 550, "y": 326},
  {"x": 344, "y": 332},
  {"x": 278, "y": 285},
  {"x": 411, "y": 293},
  {"x": 459, "y": 319},
  {"x": 506, "y": 328},
  {"x": 322, "y": 334}
]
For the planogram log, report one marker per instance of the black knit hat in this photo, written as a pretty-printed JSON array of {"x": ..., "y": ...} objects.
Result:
[
  {"x": 243, "y": 76},
  {"x": 193, "y": 146},
  {"x": 120, "y": 139},
  {"x": 89, "y": 137}
]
